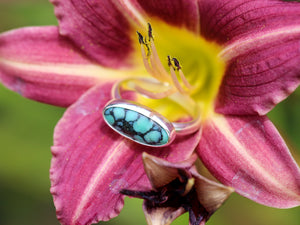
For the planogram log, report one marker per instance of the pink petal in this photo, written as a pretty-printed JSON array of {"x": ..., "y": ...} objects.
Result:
[
  {"x": 37, "y": 63},
  {"x": 262, "y": 75},
  {"x": 226, "y": 20},
  {"x": 180, "y": 13},
  {"x": 105, "y": 30},
  {"x": 92, "y": 163},
  {"x": 99, "y": 28},
  {"x": 248, "y": 154},
  {"x": 261, "y": 45}
]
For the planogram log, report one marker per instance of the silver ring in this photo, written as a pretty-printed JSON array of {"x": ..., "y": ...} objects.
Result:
[{"x": 142, "y": 124}]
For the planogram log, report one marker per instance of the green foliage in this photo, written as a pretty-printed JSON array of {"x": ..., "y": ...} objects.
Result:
[{"x": 18, "y": 13}]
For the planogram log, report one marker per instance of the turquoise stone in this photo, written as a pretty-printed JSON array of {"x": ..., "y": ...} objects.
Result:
[
  {"x": 119, "y": 113},
  {"x": 110, "y": 119},
  {"x": 153, "y": 136},
  {"x": 131, "y": 115},
  {"x": 165, "y": 137},
  {"x": 138, "y": 138},
  {"x": 142, "y": 125},
  {"x": 135, "y": 126}
]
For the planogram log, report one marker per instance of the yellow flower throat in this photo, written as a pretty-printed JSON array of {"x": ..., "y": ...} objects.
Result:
[{"x": 186, "y": 67}]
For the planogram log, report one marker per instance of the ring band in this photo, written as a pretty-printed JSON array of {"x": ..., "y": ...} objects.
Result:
[{"x": 142, "y": 124}]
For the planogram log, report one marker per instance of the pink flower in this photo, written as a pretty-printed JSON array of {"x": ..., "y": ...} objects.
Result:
[{"x": 240, "y": 58}]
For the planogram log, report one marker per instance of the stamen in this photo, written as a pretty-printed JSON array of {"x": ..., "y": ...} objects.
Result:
[
  {"x": 155, "y": 68},
  {"x": 154, "y": 58},
  {"x": 154, "y": 89},
  {"x": 141, "y": 38},
  {"x": 145, "y": 57},
  {"x": 181, "y": 74},
  {"x": 146, "y": 63},
  {"x": 176, "y": 63},
  {"x": 169, "y": 61},
  {"x": 156, "y": 95},
  {"x": 174, "y": 77},
  {"x": 156, "y": 63},
  {"x": 184, "y": 80},
  {"x": 150, "y": 35}
]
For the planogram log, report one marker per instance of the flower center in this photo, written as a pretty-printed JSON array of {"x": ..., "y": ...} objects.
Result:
[
  {"x": 154, "y": 67},
  {"x": 187, "y": 68}
]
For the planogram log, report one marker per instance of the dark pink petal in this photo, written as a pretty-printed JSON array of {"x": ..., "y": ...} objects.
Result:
[
  {"x": 99, "y": 28},
  {"x": 92, "y": 163},
  {"x": 179, "y": 13},
  {"x": 37, "y": 63},
  {"x": 264, "y": 73},
  {"x": 248, "y": 154},
  {"x": 261, "y": 45},
  {"x": 226, "y": 20},
  {"x": 105, "y": 29}
]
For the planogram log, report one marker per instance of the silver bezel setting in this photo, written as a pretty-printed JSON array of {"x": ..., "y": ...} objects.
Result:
[{"x": 145, "y": 111}]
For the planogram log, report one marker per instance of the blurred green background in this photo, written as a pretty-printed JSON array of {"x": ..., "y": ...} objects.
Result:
[{"x": 26, "y": 129}]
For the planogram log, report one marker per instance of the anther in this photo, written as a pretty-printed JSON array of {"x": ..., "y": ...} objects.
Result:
[
  {"x": 141, "y": 38},
  {"x": 150, "y": 57},
  {"x": 182, "y": 76},
  {"x": 175, "y": 66},
  {"x": 169, "y": 61},
  {"x": 174, "y": 77},
  {"x": 150, "y": 35},
  {"x": 176, "y": 63}
]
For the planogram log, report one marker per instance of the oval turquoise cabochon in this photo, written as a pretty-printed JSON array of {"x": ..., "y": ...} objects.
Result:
[{"x": 136, "y": 126}]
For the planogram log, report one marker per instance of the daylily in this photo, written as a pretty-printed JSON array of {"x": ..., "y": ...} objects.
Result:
[
  {"x": 177, "y": 188},
  {"x": 235, "y": 59}
]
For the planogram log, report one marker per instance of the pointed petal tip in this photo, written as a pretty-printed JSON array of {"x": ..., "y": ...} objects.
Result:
[{"x": 249, "y": 154}]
